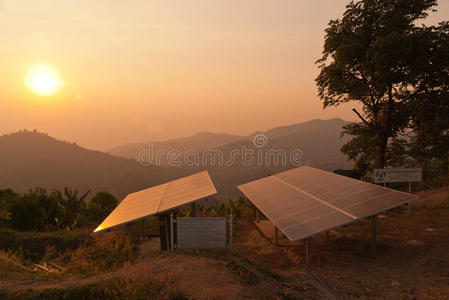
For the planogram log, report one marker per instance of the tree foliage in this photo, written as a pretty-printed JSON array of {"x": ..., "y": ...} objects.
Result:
[
  {"x": 377, "y": 56},
  {"x": 39, "y": 210},
  {"x": 429, "y": 101},
  {"x": 5, "y": 208},
  {"x": 102, "y": 204},
  {"x": 72, "y": 207}
]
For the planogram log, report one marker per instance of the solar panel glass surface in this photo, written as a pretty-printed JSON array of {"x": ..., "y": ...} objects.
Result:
[
  {"x": 160, "y": 198},
  {"x": 305, "y": 201}
]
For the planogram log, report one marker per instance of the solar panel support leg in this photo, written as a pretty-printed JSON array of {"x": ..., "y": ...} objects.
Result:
[
  {"x": 231, "y": 235},
  {"x": 409, "y": 191},
  {"x": 163, "y": 232},
  {"x": 374, "y": 233},
  {"x": 171, "y": 232},
  {"x": 308, "y": 250},
  {"x": 276, "y": 236},
  {"x": 193, "y": 210},
  {"x": 167, "y": 230}
]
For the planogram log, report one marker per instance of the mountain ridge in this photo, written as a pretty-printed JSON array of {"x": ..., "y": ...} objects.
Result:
[
  {"x": 131, "y": 150},
  {"x": 31, "y": 159}
]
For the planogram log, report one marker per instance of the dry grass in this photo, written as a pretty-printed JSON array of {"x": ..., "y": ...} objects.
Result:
[
  {"x": 141, "y": 285},
  {"x": 412, "y": 262},
  {"x": 106, "y": 251},
  {"x": 11, "y": 261},
  {"x": 138, "y": 285}
]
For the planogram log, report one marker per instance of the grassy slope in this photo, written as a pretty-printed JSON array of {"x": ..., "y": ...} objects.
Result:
[
  {"x": 32, "y": 159},
  {"x": 412, "y": 262}
]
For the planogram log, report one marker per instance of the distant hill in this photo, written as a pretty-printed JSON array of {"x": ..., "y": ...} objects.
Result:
[
  {"x": 32, "y": 159},
  {"x": 317, "y": 141},
  {"x": 304, "y": 134},
  {"x": 316, "y": 125},
  {"x": 199, "y": 141}
]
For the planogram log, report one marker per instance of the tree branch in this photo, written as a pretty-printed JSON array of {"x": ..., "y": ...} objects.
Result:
[{"x": 361, "y": 118}]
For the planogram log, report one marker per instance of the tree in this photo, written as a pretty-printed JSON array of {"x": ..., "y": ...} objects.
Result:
[
  {"x": 371, "y": 57},
  {"x": 72, "y": 207},
  {"x": 429, "y": 100},
  {"x": 7, "y": 198},
  {"x": 362, "y": 148},
  {"x": 28, "y": 211},
  {"x": 102, "y": 204}
]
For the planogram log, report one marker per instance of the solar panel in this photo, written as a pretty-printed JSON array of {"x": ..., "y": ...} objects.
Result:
[
  {"x": 160, "y": 198},
  {"x": 305, "y": 201}
]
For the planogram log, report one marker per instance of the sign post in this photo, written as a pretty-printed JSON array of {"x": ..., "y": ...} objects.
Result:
[
  {"x": 393, "y": 175},
  {"x": 201, "y": 233},
  {"x": 397, "y": 175}
]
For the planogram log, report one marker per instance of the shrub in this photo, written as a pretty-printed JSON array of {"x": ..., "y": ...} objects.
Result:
[
  {"x": 29, "y": 211},
  {"x": 73, "y": 207},
  {"x": 11, "y": 261},
  {"x": 38, "y": 210},
  {"x": 35, "y": 245},
  {"x": 102, "y": 205},
  {"x": 108, "y": 250},
  {"x": 136, "y": 286},
  {"x": 5, "y": 204},
  {"x": 243, "y": 208},
  {"x": 139, "y": 285}
]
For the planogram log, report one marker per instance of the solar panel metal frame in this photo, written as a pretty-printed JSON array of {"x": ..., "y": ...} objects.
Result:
[
  {"x": 243, "y": 187},
  {"x": 98, "y": 229},
  {"x": 286, "y": 233},
  {"x": 412, "y": 197}
]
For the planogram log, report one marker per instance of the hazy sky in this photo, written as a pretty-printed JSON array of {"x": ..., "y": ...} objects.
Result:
[{"x": 147, "y": 70}]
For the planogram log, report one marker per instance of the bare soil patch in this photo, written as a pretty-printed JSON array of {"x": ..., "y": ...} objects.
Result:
[{"x": 412, "y": 262}]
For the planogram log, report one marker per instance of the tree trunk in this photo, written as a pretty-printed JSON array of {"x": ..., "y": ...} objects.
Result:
[
  {"x": 382, "y": 141},
  {"x": 382, "y": 137}
]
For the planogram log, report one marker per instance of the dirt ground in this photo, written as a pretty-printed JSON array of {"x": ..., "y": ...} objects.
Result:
[
  {"x": 199, "y": 275},
  {"x": 412, "y": 262}
]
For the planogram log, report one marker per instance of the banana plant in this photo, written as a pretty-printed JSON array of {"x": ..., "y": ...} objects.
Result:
[{"x": 72, "y": 207}]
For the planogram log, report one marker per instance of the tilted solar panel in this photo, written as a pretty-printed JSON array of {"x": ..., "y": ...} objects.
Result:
[
  {"x": 160, "y": 198},
  {"x": 305, "y": 201}
]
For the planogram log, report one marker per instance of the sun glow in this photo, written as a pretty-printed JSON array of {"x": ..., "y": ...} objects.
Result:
[{"x": 43, "y": 80}]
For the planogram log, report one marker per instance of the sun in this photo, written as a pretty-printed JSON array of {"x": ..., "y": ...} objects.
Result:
[{"x": 44, "y": 80}]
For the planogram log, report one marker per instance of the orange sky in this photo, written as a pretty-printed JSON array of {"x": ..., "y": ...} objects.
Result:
[{"x": 148, "y": 70}]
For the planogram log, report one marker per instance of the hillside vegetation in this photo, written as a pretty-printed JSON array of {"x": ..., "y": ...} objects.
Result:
[
  {"x": 126, "y": 263},
  {"x": 31, "y": 159}
]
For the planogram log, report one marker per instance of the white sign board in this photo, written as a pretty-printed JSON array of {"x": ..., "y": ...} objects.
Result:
[
  {"x": 201, "y": 233},
  {"x": 397, "y": 175}
]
